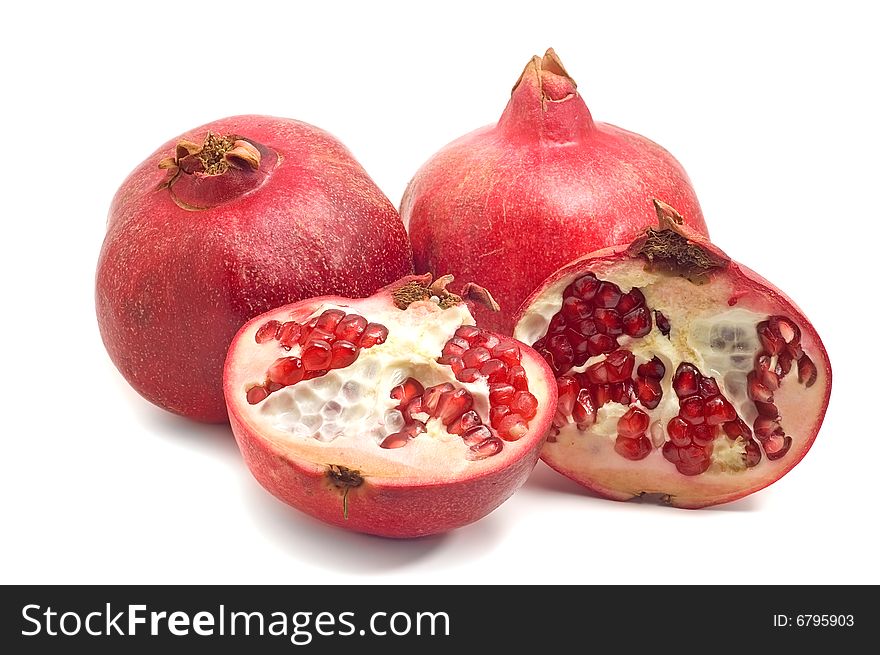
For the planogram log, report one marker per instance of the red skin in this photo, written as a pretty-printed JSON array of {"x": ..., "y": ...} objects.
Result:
[
  {"x": 383, "y": 505},
  {"x": 748, "y": 284},
  {"x": 544, "y": 186},
  {"x": 173, "y": 286}
]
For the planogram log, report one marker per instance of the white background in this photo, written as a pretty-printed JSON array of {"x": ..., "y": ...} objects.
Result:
[{"x": 772, "y": 107}]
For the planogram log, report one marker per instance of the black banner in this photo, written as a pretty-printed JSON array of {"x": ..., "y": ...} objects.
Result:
[{"x": 430, "y": 619}]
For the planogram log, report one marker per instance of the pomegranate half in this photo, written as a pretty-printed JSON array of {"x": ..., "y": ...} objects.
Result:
[
  {"x": 680, "y": 372},
  {"x": 510, "y": 203},
  {"x": 393, "y": 415},
  {"x": 220, "y": 224}
]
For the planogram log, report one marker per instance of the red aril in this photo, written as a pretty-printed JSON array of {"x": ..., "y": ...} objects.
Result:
[
  {"x": 717, "y": 399},
  {"x": 223, "y": 223},
  {"x": 508, "y": 204},
  {"x": 394, "y": 442}
]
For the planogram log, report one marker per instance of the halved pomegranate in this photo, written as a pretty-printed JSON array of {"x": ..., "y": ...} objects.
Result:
[
  {"x": 393, "y": 415},
  {"x": 680, "y": 372}
]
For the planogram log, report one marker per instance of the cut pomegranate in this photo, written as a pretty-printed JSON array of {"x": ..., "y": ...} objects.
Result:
[
  {"x": 364, "y": 421},
  {"x": 722, "y": 341}
]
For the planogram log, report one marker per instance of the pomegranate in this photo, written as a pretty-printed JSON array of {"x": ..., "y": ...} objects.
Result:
[
  {"x": 547, "y": 177},
  {"x": 680, "y": 372},
  {"x": 225, "y": 222},
  {"x": 393, "y": 415}
]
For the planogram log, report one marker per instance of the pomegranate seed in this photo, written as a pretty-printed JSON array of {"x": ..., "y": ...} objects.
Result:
[
  {"x": 286, "y": 371},
  {"x": 649, "y": 392},
  {"x": 396, "y": 440},
  {"x": 431, "y": 397},
  {"x": 568, "y": 389},
  {"x": 629, "y": 301},
  {"x": 807, "y": 372},
  {"x": 783, "y": 364},
  {"x": 709, "y": 388},
  {"x": 662, "y": 323},
  {"x": 608, "y": 322},
  {"x": 456, "y": 364},
  {"x": 316, "y": 355},
  {"x": 584, "y": 287},
  {"x": 768, "y": 410},
  {"x": 351, "y": 328},
  {"x": 771, "y": 343},
  {"x": 476, "y": 435},
  {"x": 508, "y": 352},
  {"x": 693, "y": 459},
  {"x": 452, "y": 405},
  {"x": 524, "y": 404},
  {"x": 305, "y": 331},
  {"x": 634, "y": 449},
  {"x": 601, "y": 394},
  {"x": 670, "y": 452},
  {"x": 623, "y": 392},
  {"x": 465, "y": 423},
  {"x": 321, "y": 335},
  {"x": 501, "y": 394},
  {"x": 329, "y": 320},
  {"x": 451, "y": 350},
  {"x": 777, "y": 446},
  {"x": 718, "y": 410},
  {"x": 598, "y": 344},
  {"x": 267, "y": 332},
  {"x": 702, "y": 435},
  {"x": 407, "y": 390},
  {"x": 342, "y": 354},
  {"x": 678, "y": 432},
  {"x": 752, "y": 453},
  {"x": 766, "y": 427},
  {"x": 584, "y": 328},
  {"x": 637, "y": 323},
  {"x": 468, "y": 374},
  {"x": 686, "y": 381},
  {"x": 257, "y": 394},
  {"x": 584, "y": 410},
  {"x": 765, "y": 376},
  {"x": 691, "y": 410},
  {"x": 274, "y": 386},
  {"x": 517, "y": 377},
  {"x": 497, "y": 413},
  {"x": 557, "y": 324},
  {"x": 756, "y": 390},
  {"x": 653, "y": 369},
  {"x": 575, "y": 309},
  {"x": 487, "y": 340},
  {"x": 787, "y": 331},
  {"x": 737, "y": 428},
  {"x": 495, "y": 370},
  {"x": 607, "y": 296},
  {"x": 468, "y": 332},
  {"x": 633, "y": 423},
  {"x": 619, "y": 365},
  {"x": 374, "y": 335},
  {"x": 310, "y": 375},
  {"x": 288, "y": 334},
  {"x": 512, "y": 427},
  {"x": 414, "y": 428},
  {"x": 475, "y": 357},
  {"x": 561, "y": 353},
  {"x": 491, "y": 446}
]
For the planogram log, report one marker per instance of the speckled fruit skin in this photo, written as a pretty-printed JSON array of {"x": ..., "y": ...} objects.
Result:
[
  {"x": 174, "y": 285},
  {"x": 382, "y": 505},
  {"x": 508, "y": 204}
]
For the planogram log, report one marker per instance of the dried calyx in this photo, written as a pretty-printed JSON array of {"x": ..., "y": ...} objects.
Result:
[{"x": 213, "y": 157}]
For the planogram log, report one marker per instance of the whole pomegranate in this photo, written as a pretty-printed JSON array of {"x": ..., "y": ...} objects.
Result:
[
  {"x": 680, "y": 372},
  {"x": 393, "y": 415},
  {"x": 508, "y": 204},
  {"x": 225, "y": 222}
]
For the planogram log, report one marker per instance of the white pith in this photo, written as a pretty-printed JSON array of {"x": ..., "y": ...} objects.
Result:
[
  {"x": 722, "y": 345},
  {"x": 343, "y": 416}
]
